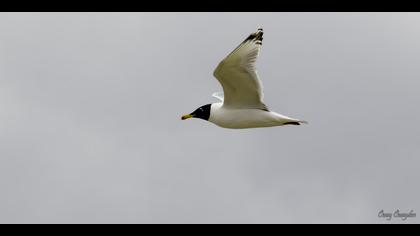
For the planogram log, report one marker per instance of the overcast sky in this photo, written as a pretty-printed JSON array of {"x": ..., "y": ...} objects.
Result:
[{"x": 90, "y": 129}]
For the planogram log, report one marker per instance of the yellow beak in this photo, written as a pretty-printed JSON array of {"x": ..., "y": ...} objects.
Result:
[{"x": 184, "y": 117}]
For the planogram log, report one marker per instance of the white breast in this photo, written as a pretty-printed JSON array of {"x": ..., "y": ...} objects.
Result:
[{"x": 244, "y": 118}]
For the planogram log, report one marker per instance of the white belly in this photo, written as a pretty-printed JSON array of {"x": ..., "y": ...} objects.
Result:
[{"x": 245, "y": 118}]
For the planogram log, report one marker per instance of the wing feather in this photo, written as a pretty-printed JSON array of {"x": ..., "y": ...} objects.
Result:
[
  {"x": 219, "y": 95},
  {"x": 238, "y": 75}
]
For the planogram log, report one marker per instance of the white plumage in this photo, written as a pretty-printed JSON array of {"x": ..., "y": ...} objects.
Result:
[{"x": 242, "y": 101}]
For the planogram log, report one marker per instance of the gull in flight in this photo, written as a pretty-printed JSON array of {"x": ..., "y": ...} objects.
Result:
[{"x": 242, "y": 104}]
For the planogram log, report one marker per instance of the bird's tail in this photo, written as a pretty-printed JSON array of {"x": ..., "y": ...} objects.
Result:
[{"x": 296, "y": 122}]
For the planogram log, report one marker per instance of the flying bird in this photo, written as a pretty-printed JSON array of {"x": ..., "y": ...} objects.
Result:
[{"x": 242, "y": 104}]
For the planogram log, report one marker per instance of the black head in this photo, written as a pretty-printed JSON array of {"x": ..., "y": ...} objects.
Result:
[{"x": 202, "y": 112}]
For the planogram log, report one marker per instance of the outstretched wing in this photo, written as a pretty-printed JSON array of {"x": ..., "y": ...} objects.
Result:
[
  {"x": 238, "y": 76},
  {"x": 219, "y": 95}
]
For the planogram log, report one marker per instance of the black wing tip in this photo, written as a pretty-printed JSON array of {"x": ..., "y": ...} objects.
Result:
[{"x": 256, "y": 36}]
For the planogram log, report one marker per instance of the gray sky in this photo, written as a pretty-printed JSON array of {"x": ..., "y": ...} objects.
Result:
[{"x": 90, "y": 128}]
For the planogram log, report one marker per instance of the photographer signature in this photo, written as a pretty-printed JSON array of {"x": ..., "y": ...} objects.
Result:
[{"x": 397, "y": 214}]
